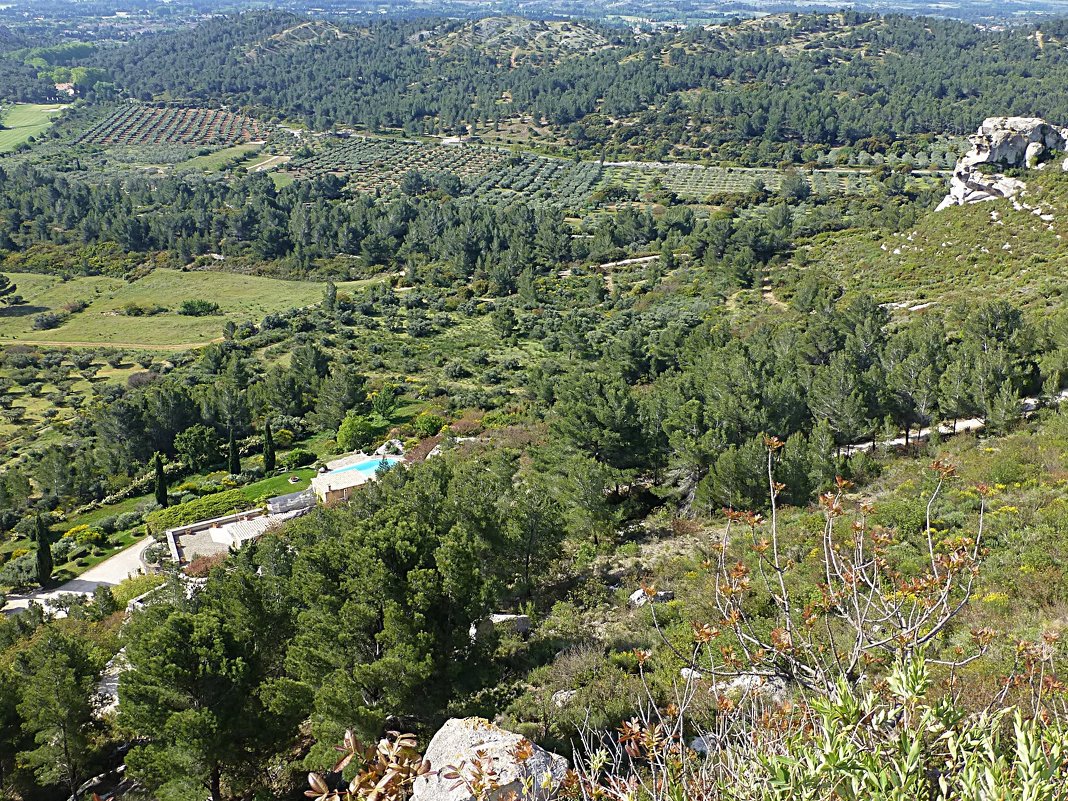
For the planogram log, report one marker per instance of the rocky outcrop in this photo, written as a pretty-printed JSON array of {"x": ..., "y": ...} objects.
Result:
[
  {"x": 562, "y": 698},
  {"x": 465, "y": 749},
  {"x": 517, "y": 624},
  {"x": 1012, "y": 142},
  {"x": 641, "y": 597}
]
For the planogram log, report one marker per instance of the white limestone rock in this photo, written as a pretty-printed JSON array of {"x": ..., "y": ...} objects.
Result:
[
  {"x": 1007, "y": 142},
  {"x": 768, "y": 688},
  {"x": 562, "y": 698},
  {"x": 520, "y": 624},
  {"x": 640, "y": 598},
  {"x": 461, "y": 742}
]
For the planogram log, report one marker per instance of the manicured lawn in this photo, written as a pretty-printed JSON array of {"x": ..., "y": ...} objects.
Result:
[
  {"x": 279, "y": 485},
  {"x": 24, "y": 120},
  {"x": 240, "y": 297}
]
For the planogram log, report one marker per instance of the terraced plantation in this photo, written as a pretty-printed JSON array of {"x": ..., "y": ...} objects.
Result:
[
  {"x": 136, "y": 124},
  {"x": 697, "y": 181},
  {"x": 372, "y": 164},
  {"x": 381, "y": 164}
]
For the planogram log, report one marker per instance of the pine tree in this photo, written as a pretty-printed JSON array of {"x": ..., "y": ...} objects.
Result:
[
  {"x": 233, "y": 457},
  {"x": 6, "y": 290},
  {"x": 44, "y": 552},
  {"x": 161, "y": 481},
  {"x": 268, "y": 447}
]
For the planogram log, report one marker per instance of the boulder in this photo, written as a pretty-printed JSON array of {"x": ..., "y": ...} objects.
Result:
[
  {"x": 1006, "y": 142},
  {"x": 705, "y": 744},
  {"x": 462, "y": 742},
  {"x": 640, "y": 597},
  {"x": 520, "y": 624},
  {"x": 561, "y": 698},
  {"x": 1034, "y": 151},
  {"x": 767, "y": 688}
]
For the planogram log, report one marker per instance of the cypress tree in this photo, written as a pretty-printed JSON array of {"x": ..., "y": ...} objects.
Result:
[
  {"x": 44, "y": 552},
  {"x": 161, "y": 481},
  {"x": 268, "y": 448},
  {"x": 330, "y": 297},
  {"x": 233, "y": 458}
]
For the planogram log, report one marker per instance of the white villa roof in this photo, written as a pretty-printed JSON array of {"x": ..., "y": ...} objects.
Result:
[{"x": 339, "y": 480}]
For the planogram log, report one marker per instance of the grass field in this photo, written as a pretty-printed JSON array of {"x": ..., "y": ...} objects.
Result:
[
  {"x": 960, "y": 255},
  {"x": 213, "y": 162},
  {"x": 104, "y": 321},
  {"x": 24, "y": 120}
]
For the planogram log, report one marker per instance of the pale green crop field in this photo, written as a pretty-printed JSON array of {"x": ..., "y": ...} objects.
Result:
[
  {"x": 23, "y": 120},
  {"x": 213, "y": 162},
  {"x": 104, "y": 321}
]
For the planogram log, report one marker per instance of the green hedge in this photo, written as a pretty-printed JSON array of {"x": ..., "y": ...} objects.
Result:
[{"x": 215, "y": 505}]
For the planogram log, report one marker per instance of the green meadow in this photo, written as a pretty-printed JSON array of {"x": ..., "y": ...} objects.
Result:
[
  {"x": 106, "y": 321},
  {"x": 23, "y": 120}
]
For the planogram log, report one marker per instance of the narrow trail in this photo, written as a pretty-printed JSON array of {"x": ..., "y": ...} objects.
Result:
[
  {"x": 768, "y": 294},
  {"x": 273, "y": 161}
]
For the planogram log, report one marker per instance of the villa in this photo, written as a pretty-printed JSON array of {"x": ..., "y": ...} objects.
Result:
[
  {"x": 217, "y": 536},
  {"x": 344, "y": 475},
  {"x": 207, "y": 538}
]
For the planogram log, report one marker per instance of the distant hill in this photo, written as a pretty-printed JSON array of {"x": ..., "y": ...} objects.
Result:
[
  {"x": 785, "y": 88},
  {"x": 516, "y": 39},
  {"x": 304, "y": 34}
]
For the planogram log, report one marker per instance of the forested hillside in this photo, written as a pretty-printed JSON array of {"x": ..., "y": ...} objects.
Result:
[
  {"x": 469, "y": 388},
  {"x": 780, "y": 83}
]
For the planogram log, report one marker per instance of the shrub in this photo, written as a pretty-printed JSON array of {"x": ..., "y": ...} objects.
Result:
[
  {"x": 62, "y": 549},
  {"x": 20, "y": 571},
  {"x": 894, "y": 745},
  {"x": 905, "y": 516},
  {"x": 427, "y": 424},
  {"x": 131, "y": 588},
  {"x": 155, "y": 554},
  {"x": 356, "y": 431},
  {"x": 127, "y": 520},
  {"x": 47, "y": 320},
  {"x": 455, "y": 371},
  {"x": 205, "y": 508},
  {"x": 298, "y": 457},
  {"x": 86, "y": 535},
  {"x": 202, "y": 565},
  {"x": 199, "y": 308}
]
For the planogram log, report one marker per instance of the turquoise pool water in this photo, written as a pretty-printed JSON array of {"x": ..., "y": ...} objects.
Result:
[{"x": 370, "y": 466}]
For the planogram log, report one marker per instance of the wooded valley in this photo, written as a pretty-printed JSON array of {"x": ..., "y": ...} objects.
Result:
[{"x": 626, "y": 393}]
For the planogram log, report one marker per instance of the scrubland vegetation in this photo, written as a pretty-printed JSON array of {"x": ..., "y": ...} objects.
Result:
[{"x": 685, "y": 415}]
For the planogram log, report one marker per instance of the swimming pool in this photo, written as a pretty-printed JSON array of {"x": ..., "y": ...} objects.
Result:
[{"x": 369, "y": 466}]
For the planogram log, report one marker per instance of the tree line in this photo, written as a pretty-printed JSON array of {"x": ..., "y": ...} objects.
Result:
[{"x": 812, "y": 79}]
